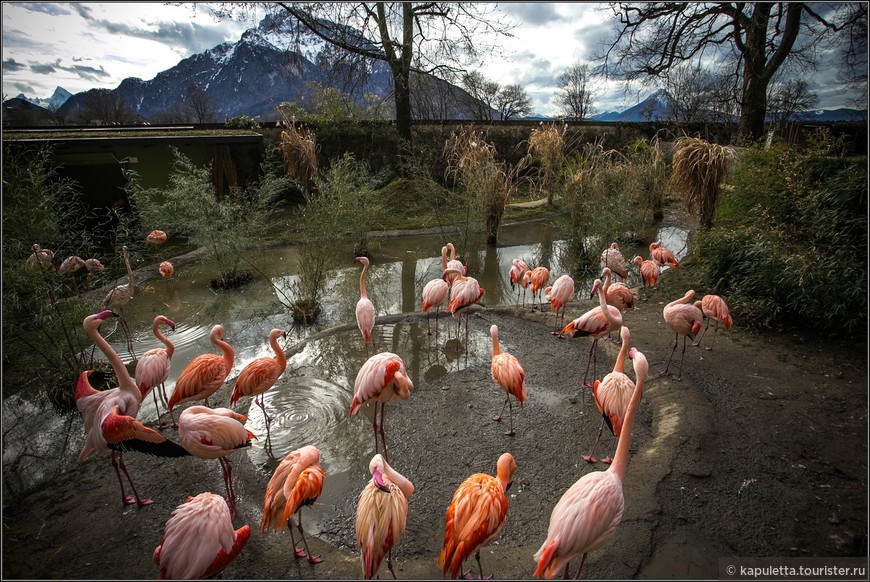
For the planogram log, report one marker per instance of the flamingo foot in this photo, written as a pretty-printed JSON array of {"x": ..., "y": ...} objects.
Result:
[
  {"x": 314, "y": 559},
  {"x": 606, "y": 460},
  {"x": 590, "y": 459},
  {"x": 496, "y": 418},
  {"x": 586, "y": 384},
  {"x": 144, "y": 502},
  {"x": 165, "y": 426},
  {"x": 663, "y": 372},
  {"x": 467, "y": 576},
  {"x": 710, "y": 349},
  {"x": 510, "y": 432},
  {"x": 128, "y": 500},
  {"x": 297, "y": 552}
]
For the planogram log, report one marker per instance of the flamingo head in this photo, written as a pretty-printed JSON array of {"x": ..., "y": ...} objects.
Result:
[
  {"x": 106, "y": 314},
  {"x": 594, "y": 288},
  {"x": 363, "y": 260}
]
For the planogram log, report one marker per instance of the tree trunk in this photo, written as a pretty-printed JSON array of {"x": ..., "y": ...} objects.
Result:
[{"x": 402, "y": 90}]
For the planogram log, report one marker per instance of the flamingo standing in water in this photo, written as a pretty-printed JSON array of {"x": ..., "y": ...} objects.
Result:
[
  {"x": 434, "y": 295},
  {"x": 587, "y": 515},
  {"x": 596, "y": 323},
  {"x": 198, "y": 539},
  {"x": 464, "y": 292},
  {"x": 365, "y": 309},
  {"x": 381, "y": 379},
  {"x": 475, "y": 517},
  {"x": 713, "y": 307},
  {"x": 538, "y": 279},
  {"x": 452, "y": 263},
  {"x": 297, "y": 482},
  {"x": 559, "y": 295},
  {"x": 110, "y": 415},
  {"x": 612, "y": 395},
  {"x": 260, "y": 375},
  {"x": 381, "y": 513},
  {"x": 516, "y": 274},
  {"x": 509, "y": 375},
  {"x": 214, "y": 433},
  {"x": 649, "y": 270},
  {"x": 152, "y": 369},
  {"x": 612, "y": 258},
  {"x": 166, "y": 269},
  {"x": 662, "y": 255},
  {"x": 119, "y": 296},
  {"x": 684, "y": 319},
  {"x": 204, "y": 374}
]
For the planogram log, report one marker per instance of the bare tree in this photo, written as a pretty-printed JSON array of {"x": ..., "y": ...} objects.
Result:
[
  {"x": 513, "y": 101},
  {"x": 483, "y": 92},
  {"x": 788, "y": 100},
  {"x": 687, "y": 90},
  {"x": 104, "y": 107},
  {"x": 576, "y": 92},
  {"x": 432, "y": 98},
  {"x": 198, "y": 104},
  {"x": 653, "y": 37}
]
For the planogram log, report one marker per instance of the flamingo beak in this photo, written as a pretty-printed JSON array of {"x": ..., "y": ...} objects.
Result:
[{"x": 379, "y": 481}]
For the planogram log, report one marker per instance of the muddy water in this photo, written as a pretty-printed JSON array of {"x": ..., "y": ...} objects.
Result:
[{"x": 309, "y": 403}]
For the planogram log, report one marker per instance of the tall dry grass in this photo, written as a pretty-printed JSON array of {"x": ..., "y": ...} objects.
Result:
[
  {"x": 698, "y": 169},
  {"x": 298, "y": 149},
  {"x": 547, "y": 143}
]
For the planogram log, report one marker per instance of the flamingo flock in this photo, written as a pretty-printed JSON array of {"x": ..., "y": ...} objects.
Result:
[{"x": 199, "y": 538}]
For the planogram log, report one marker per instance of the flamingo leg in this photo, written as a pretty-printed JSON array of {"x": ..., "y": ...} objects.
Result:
[
  {"x": 679, "y": 375},
  {"x": 390, "y": 562},
  {"x": 383, "y": 434},
  {"x": 297, "y": 552},
  {"x": 479, "y": 566},
  {"x": 716, "y": 329},
  {"x": 268, "y": 419},
  {"x": 697, "y": 343},
  {"x": 428, "y": 325},
  {"x": 592, "y": 355},
  {"x": 565, "y": 574},
  {"x": 498, "y": 417},
  {"x": 311, "y": 558},
  {"x": 375, "y": 427},
  {"x": 125, "y": 499},
  {"x": 511, "y": 412},
  {"x": 141, "y": 502},
  {"x": 665, "y": 371},
  {"x": 589, "y": 458},
  {"x": 582, "y": 560},
  {"x": 228, "y": 482},
  {"x": 436, "y": 322}
]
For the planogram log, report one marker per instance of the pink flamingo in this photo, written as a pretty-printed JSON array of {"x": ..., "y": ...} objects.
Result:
[
  {"x": 475, "y": 517},
  {"x": 152, "y": 369},
  {"x": 93, "y": 265},
  {"x": 617, "y": 294},
  {"x": 198, "y": 539},
  {"x": 649, "y": 270},
  {"x": 434, "y": 295},
  {"x": 214, "y": 433},
  {"x": 204, "y": 374},
  {"x": 381, "y": 379},
  {"x": 612, "y": 258},
  {"x": 156, "y": 237},
  {"x": 538, "y": 279},
  {"x": 596, "y": 323},
  {"x": 166, "y": 269},
  {"x": 464, "y": 292},
  {"x": 119, "y": 296},
  {"x": 662, "y": 255},
  {"x": 452, "y": 263},
  {"x": 559, "y": 295},
  {"x": 110, "y": 415},
  {"x": 509, "y": 375},
  {"x": 70, "y": 264},
  {"x": 296, "y": 483},
  {"x": 260, "y": 375},
  {"x": 365, "y": 309},
  {"x": 713, "y": 307},
  {"x": 380, "y": 518},
  {"x": 516, "y": 273},
  {"x": 684, "y": 319},
  {"x": 587, "y": 515},
  {"x": 40, "y": 256},
  {"x": 612, "y": 395}
]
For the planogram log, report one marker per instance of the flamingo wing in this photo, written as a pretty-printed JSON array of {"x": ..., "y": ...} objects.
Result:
[
  {"x": 257, "y": 377},
  {"x": 508, "y": 373},
  {"x": 199, "y": 379},
  {"x": 152, "y": 369},
  {"x": 380, "y": 522}
]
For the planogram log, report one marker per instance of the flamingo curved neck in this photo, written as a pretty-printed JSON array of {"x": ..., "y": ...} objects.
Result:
[
  {"x": 226, "y": 349},
  {"x": 400, "y": 481},
  {"x": 620, "y": 457},
  {"x": 280, "y": 357},
  {"x": 602, "y": 301},
  {"x": 125, "y": 382},
  {"x": 495, "y": 346},
  {"x": 362, "y": 280},
  {"x": 170, "y": 347}
]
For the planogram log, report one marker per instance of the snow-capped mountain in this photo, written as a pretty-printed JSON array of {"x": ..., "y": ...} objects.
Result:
[{"x": 53, "y": 103}]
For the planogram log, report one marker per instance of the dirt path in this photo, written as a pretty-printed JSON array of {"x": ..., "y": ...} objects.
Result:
[{"x": 760, "y": 450}]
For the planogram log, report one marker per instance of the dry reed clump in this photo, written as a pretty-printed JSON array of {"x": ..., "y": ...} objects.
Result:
[
  {"x": 547, "y": 142},
  {"x": 698, "y": 169},
  {"x": 299, "y": 152},
  {"x": 488, "y": 183}
]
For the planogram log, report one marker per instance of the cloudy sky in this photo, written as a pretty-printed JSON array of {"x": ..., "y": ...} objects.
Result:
[{"x": 81, "y": 46}]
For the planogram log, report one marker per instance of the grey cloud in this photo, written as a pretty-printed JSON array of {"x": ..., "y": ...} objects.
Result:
[
  {"x": 89, "y": 73},
  {"x": 50, "y": 8},
  {"x": 183, "y": 36},
  {"x": 534, "y": 13},
  {"x": 25, "y": 88},
  {"x": 82, "y": 10},
  {"x": 43, "y": 69},
  {"x": 11, "y": 65}
]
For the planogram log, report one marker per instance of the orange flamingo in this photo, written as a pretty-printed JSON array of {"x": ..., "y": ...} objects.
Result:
[
  {"x": 434, "y": 295},
  {"x": 612, "y": 395},
  {"x": 381, "y": 379},
  {"x": 296, "y": 483},
  {"x": 662, "y": 255},
  {"x": 152, "y": 369},
  {"x": 365, "y": 309},
  {"x": 649, "y": 270},
  {"x": 156, "y": 237},
  {"x": 260, "y": 375},
  {"x": 596, "y": 323},
  {"x": 204, "y": 374},
  {"x": 587, "y": 515},
  {"x": 110, "y": 415},
  {"x": 713, "y": 307},
  {"x": 464, "y": 292},
  {"x": 684, "y": 319},
  {"x": 509, "y": 375},
  {"x": 516, "y": 273},
  {"x": 214, "y": 433},
  {"x": 612, "y": 258},
  {"x": 166, "y": 269},
  {"x": 381, "y": 513},
  {"x": 558, "y": 295},
  {"x": 538, "y": 279},
  {"x": 40, "y": 256},
  {"x": 119, "y": 296},
  {"x": 475, "y": 517},
  {"x": 198, "y": 539},
  {"x": 617, "y": 294}
]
